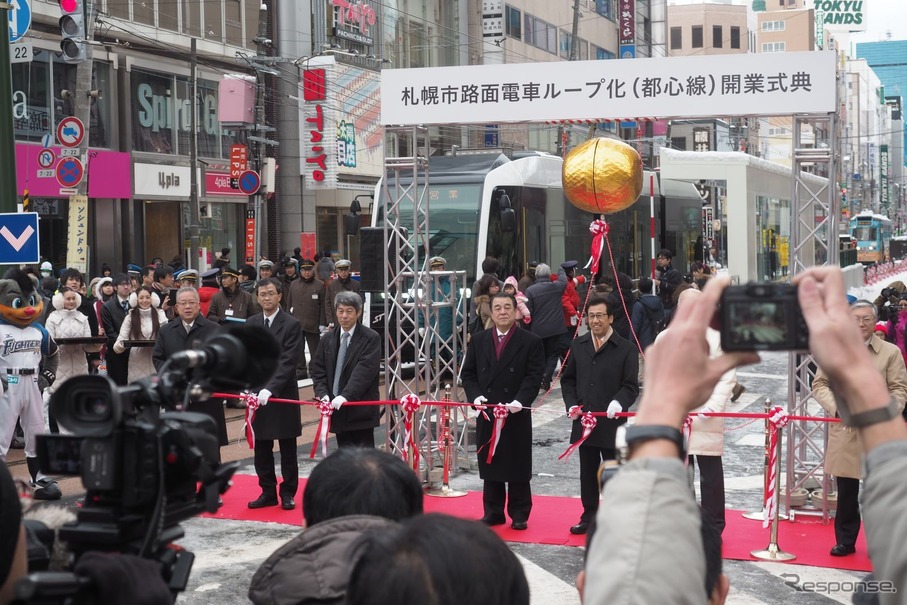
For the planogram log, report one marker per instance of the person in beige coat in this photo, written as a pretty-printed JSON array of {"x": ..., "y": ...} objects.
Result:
[
  {"x": 707, "y": 436},
  {"x": 842, "y": 457}
]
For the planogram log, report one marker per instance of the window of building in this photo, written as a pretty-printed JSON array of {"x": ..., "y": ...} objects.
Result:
[
  {"x": 735, "y": 36},
  {"x": 565, "y": 44},
  {"x": 717, "y": 36},
  {"x": 676, "y": 38},
  {"x": 603, "y": 54},
  {"x": 773, "y": 47},
  {"x": 679, "y": 143},
  {"x": 540, "y": 34},
  {"x": 773, "y": 26},
  {"x": 697, "y": 36},
  {"x": 513, "y": 23},
  {"x": 605, "y": 8}
]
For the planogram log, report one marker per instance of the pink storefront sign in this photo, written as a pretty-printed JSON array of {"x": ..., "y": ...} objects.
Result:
[
  {"x": 109, "y": 173},
  {"x": 218, "y": 184}
]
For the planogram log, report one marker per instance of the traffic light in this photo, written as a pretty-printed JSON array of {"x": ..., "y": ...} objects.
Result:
[{"x": 72, "y": 28}]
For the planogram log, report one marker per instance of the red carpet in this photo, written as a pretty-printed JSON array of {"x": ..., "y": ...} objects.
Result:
[{"x": 552, "y": 517}]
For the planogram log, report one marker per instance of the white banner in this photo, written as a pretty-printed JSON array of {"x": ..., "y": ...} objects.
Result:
[{"x": 760, "y": 84}]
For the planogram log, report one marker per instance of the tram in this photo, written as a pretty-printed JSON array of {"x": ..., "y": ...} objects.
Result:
[{"x": 872, "y": 233}]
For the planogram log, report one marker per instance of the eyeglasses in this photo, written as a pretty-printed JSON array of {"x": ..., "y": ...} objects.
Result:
[
  {"x": 865, "y": 320},
  {"x": 266, "y": 294},
  {"x": 596, "y": 316},
  {"x": 187, "y": 303}
]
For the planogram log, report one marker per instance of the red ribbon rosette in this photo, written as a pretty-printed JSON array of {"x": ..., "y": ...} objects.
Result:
[
  {"x": 251, "y": 401},
  {"x": 324, "y": 427},
  {"x": 599, "y": 229},
  {"x": 410, "y": 404},
  {"x": 777, "y": 419},
  {"x": 588, "y": 422},
  {"x": 500, "y": 417}
]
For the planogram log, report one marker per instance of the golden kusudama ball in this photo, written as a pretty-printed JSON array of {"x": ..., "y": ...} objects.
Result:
[{"x": 602, "y": 176}]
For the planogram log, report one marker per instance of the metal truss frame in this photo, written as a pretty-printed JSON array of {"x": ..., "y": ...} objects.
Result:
[
  {"x": 814, "y": 241},
  {"x": 417, "y": 359}
]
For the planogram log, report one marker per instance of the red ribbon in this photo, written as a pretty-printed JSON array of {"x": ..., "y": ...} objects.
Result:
[
  {"x": 588, "y": 421},
  {"x": 500, "y": 417},
  {"x": 251, "y": 401},
  {"x": 410, "y": 404},
  {"x": 599, "y": 229},
  {"x": 324, "y": 427}
]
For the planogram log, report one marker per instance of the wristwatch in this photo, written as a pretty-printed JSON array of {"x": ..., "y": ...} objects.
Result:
[
  {"x": 864, "y": 419},
  {"x": 637, "y": 434}
]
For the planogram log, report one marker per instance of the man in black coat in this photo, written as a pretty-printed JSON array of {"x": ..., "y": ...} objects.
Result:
[
  {"x": 600, "y": 376},
  {"x": 113, "y": 312},
  {"x": 504, "y": 366},
  {"x": 280, "y": 421},
  {"x": 668, "y": 281},
  {"x": 189, "y": 330},
  {"x": 349, "y": 375}
]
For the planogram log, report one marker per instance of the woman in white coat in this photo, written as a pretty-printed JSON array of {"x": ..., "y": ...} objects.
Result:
[
  {"x": 707, "y": 437},
  {"x": 141, "y": 323},
  {"x": 66, "y": 321}
]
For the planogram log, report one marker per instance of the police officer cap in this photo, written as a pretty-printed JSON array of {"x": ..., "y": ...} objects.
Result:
[
  {"x": 266, "y": 264},
  {"x": 437, "y": 260},
  {"x": 307, "y": 264},
  {"x": 190, "y": 274},
  {"x": 570, "y": 264},
  {"x": 533, "y": 264},
  {"x": 342, "y": 264},
  {"x": 211, "y": 273},
  {"x": 134, "y": 269},
  {"x": 289, "y": 260}
]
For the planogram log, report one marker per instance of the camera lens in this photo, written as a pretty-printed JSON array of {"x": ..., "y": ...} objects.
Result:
[{"x": 87, "y": 405}]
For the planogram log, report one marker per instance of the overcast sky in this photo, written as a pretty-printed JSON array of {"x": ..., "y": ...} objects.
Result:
[{"x": 884, "y": 16}]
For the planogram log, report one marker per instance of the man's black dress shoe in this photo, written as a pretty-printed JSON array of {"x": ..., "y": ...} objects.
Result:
[
  {"x": 841, "y": 550},
  {"x": 263, "y": 501},
  {"x": 580, "y": 528},
  {"x": 519, "y": 525},
  {"x": 288, "y": 504},
  {"x": 493, "y": 520}
]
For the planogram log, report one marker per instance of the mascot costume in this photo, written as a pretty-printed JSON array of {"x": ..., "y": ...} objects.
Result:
[{"x": 28, "y": 365}]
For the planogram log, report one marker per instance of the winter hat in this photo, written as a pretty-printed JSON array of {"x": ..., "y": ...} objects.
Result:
[
  {"x": 881, "y": 327},
  {"x": 96, "y": 288}
]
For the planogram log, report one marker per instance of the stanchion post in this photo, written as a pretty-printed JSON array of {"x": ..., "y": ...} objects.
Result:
[
  {"x": 773, "y": 552},
  {"x": 758, "y": 515},
  {"x": 445, "y": 438}
]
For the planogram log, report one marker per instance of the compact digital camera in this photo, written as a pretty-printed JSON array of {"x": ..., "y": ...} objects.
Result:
[{"x": 762, "y": 317}]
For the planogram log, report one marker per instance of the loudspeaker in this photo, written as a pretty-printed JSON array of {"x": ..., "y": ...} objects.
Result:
[{"x": 371, "y": 259}]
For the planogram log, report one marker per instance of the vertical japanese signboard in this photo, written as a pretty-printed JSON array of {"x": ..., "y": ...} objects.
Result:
[
  {"x": 626, "y": 27},
  {"x": 77, "y": 240},
  {"x": 314, "y": 91},
  {"x": 250, "y": 238},
  {"x": 239, "y": 160},
  {"x": 884, "y": 191}
]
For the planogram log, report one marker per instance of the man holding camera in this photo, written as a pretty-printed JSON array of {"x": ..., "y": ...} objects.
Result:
[{"x": 842, "y": 458}]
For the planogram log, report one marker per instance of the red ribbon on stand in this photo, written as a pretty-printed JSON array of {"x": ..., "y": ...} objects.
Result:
[
  {"x": 687, "y": 431},
  {"x": 599, "y": 229},
  {"x": 324, "y": 427},
  {"x": 500, "y": 417},
  {"x": 251, "y": 401},
  {"x": 410, "y": 404},
  {"x": 777, "y": 419},
  {"x": 588, "y": 421}
]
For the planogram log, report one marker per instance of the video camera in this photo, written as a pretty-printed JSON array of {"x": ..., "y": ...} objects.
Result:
[{"x": 145, "y": 470}]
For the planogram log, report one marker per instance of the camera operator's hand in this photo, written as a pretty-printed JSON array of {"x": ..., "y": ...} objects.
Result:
[
  {"x": 338, "y": 401},
  {"x": 690, "y": 377},
  {"x": 124, "y": 579},
  {"x": 263, "y": 396}
]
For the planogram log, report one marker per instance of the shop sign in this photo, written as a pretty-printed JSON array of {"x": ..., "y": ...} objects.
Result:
[
  {"x": 218, "y": 184},
  {"x": 162, "y": 181},
  {"x": 250, "y": 237},
  {"x": 77, "y": 240},
  {"x": 626, "y": 21},
  {"x": 840, "y": 15},
  {"x": 353, "y": 21}
]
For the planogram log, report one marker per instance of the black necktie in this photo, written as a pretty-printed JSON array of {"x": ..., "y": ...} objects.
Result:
[
  {"x": 268, "y": 322},
  {"x": 125, "y": 305}
]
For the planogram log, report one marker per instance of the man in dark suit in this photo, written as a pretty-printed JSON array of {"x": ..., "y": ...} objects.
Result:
[
  {"x": 345, "y": 368},
  {"x": 504, "y": 365},
  {"x": 113, "y": 312},
  {"x": 600, "y": 376},
  {"x": 280, "y": 421},
  {"x": 189, "y": 330}
]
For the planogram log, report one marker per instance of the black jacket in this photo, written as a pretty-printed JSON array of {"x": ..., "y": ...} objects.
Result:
[
  {"x": 544, "y": 302},
  {"x": 173, "y": 338},
  {"x": 515, "y": 376},
  {"x": 281, "y": 420},
  {"x": 594, "y": 378},
  {"x": 358, "y": 377}
]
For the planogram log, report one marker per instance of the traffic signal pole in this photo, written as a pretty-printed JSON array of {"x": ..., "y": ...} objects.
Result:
[{"x": 7, "y": 140}]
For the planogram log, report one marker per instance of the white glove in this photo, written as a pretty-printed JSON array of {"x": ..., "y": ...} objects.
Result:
[
  {"x": 514, "y": 406},
  {"x": 575, "y": 412},
  {"x": 263, "y": 396},
  {"x": 479, "y": 402},
  {"x": 338, "y": 401},
  {"x": 707, "y": 409},
  {"x": 421, "y": 332},
  {"x": 613, "y": 409}
]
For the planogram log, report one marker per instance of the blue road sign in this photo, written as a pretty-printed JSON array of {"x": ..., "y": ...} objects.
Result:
[
  {"x": 19, "y": 238},
  {"x": 19, "y": 19},
  {"x": 249, "y": 182},
  {"x": 70, "y": 172},
  {"x": 47, "y": 140}
]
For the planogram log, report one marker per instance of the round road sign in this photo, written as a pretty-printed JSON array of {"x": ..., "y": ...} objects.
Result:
[
  {"x": 70, "y": 172},
  {"x": 70, "y": 132},
  {"x": 249, "y": 182},
  {"x": 46, "y": 158}
]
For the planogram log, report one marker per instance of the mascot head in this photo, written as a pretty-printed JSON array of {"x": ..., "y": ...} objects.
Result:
[{"x": 20, "y": 303}]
